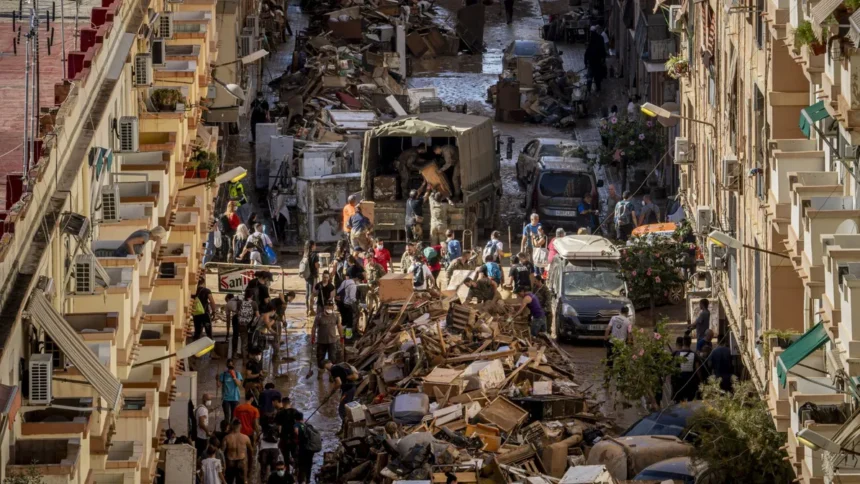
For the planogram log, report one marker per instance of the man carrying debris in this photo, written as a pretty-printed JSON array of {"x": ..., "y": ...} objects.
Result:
[
  {"x": 451, "y": 155},
  {"x": 344, "y": 376},
  {"x": 360, "y": 226},
  {"x": 415, "y": 215},
  {"x": 462, "y": 263},
  {"x": 438, "y": 217},
  {"x": 408, "y": 258},
  {"x": 484, "y": 290},
  {"x": 325, "y": 335},
  {"x": 538, "y": 316},
  {"x": 348, "y": 212},
  {"x": 374, "y": 273},
  {"x": 406, "y": 163}
]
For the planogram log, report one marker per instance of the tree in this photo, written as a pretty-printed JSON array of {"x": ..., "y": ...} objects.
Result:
[
  {"x": 640, "y": 366},
  {"x": 651, "y": 267},
  {"x": 32, "y": 476},
  {"x": 737, "y": 439},
  {"x": 626, "y": 141}
]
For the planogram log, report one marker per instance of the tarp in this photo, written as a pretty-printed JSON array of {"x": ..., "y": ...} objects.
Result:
[
  {"x": 799, "y": 350},
  {"x": 436, "y": 124},
  {"x": 811, "y": 115}
]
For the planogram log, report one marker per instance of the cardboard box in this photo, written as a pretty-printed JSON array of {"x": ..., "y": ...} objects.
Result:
[
  {"x": 445, "y": 380},
  {"x": 395, "y": 287},
  {"x": 436, "y": 179},
  {"x": 385, "y": 188},
  {"x": 355, "y": 410},
  {"x": 542, "y": 388},
  {"x": 484, "y": 375}
]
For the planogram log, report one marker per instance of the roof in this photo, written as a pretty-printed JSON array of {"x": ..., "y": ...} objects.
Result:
[
  {"x": 565, "y": 163},
  {"x": 442, "y": 123},
  {"x": 585, "y": 247},
  {"x": 12, "y": 82}
]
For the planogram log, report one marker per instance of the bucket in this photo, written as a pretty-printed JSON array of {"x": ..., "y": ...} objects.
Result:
[{"x": 221, "y": 348}]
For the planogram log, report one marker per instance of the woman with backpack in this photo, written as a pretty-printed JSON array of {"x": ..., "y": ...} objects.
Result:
[
  {"x": 309, "y": 270},
  {"x": 248, "y": 312},
  {"x": 494, "y": 247}
]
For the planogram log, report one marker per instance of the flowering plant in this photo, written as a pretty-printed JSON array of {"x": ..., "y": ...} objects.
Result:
[
  {"x": 625, "y": 140},
  {"x": 641, "y": 364},
  {"x": 651, "y": 266}
]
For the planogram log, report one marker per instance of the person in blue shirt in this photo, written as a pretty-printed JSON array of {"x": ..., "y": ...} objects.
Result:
[
  {"x": 530, "y": 231},
  {"x": 587, "y": 214},
  {"x": 494, "y": 272},
  {"x": 229, "y": 381},
  {"x": 360, "y": 226},
  {"x": 455, "y": 250}
]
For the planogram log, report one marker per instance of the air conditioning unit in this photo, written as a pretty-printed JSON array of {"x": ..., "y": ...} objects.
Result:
[
  {"x": 683, "y": 153},
  {"x": 143, "y": 70},
  {"x": 719, "y": 257},
  {"x": 89, "y": 274},
  {"x": 704, "y": 218},
  {"x": 247, "y": 45},
  {"x": 683, "y": 184},
  {"x": 252, "y": 24},
  {"x": 129, "y": 137},
  {"x": 674, "y": 16},
  {"x": 731, "y": 170},
  {"x": 158, "y": 52},
  {"x": 41, "y": 372},
  {"x": 75, "y": 225},
  {"x": 110, "y": 204},
  {"x": 165, "y": 25}
]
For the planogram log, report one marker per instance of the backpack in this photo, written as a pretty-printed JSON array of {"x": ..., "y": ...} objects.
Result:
[
  {"x": 431, "y": 255},
  {"x": 312, "y": 438},
  {"x": 246, "y": 312},
  {"x": 490, "y": 250},
  {"x": 622, "y": 212},
  {"x": 224, "y": 224},
  {"x": 454, "y": 249},
  {"x": 197, "y": 307},
  {"x": 305, "y": 268},
  {"x": 418, "y": 275},
  {"x": 494, "y": 272},
  {"x": 270, "y": 433}
]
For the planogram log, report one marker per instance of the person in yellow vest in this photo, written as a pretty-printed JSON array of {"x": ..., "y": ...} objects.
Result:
[{"x": 236, "y": 193}]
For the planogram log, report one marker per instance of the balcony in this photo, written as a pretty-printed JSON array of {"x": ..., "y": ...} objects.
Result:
[
  {"x": 138, "y": 422},
  {"x": 802, "y": 187},
  {"x": 824, "y": 215},
  {"x": 840, "y": 250},
  {"x": 847, "y": 333},
  {"x": 794, "y": 155},
  {"x": 58, "y": 460},
  {"x": 152, "y": 141},
  {"x": 144, "y": 265},
  {"x": 778, "y": 15},
  {"x": 53, "y": 422},
  {"x": 151, "y": 161}
]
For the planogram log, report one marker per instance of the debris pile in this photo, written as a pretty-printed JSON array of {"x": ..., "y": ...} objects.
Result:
[
  {"x": 534, "y": 86},
  {"x": 448, "y": 387}
]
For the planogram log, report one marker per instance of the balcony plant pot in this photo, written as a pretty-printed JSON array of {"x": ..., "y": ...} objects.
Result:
[
  {"x": 165, "y": 100},
  {"x": 203, "y": 173},
  {"x": 190, "y": 172}
]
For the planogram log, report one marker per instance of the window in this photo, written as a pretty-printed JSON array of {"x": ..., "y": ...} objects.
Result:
[
  {"x": 757, "y": 292},
  {"x": 568, "y": 185},
  {"x": 56, "y": 354},
  {"x": 761, "y": 131},
  {"x": 760, "y": 27},
  {"x": 733, "y": 272},
  {"x": 712, "y": 88}
]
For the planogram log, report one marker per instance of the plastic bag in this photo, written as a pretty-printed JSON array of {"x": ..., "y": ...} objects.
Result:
[
  {"x": 540, "y": 256},
  {"x": 271, "y": 257}
]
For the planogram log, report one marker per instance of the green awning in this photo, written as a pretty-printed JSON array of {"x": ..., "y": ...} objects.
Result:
[
  {"x": 811, "y": 115},
  {"x": 799, "y": 350}
]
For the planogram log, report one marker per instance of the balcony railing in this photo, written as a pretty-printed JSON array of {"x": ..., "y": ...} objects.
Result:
[
  {"x": 790, "y": 155},
  {"x": 58, "y": 460},
  {"x": 803, "y": 186},
  {"x": 839, "y": 251},
  {"x": 824, "y": 215}
]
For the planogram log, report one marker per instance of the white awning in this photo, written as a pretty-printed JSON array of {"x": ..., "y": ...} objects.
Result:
[
  {"x": 854, "y": 31},
  {"x": 74, "y": 348},
  {"x": 118, "y": 60},
  {"x": 655, "y": 67},
  {"x": 821, "y": 11}
]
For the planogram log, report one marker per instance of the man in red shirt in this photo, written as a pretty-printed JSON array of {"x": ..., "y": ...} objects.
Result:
[
  {"x": 248, "y": 416},
  {"x": 382, "y": 256}
]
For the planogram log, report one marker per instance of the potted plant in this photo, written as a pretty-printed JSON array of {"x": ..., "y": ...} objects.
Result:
[
  {"x": 804, "y": 35},
  {"x": 205, "y": 162},
  {"x": 191, "y": 169},
  {"x": 677, "y": 66},
  {"x": 165, "y": 100}
]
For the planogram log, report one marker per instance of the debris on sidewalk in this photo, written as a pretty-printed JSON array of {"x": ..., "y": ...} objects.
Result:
[{"x": 447, "y": 387}]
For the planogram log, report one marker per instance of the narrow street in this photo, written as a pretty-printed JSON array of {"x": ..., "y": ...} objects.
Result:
[{"x": 458, "y": 79}]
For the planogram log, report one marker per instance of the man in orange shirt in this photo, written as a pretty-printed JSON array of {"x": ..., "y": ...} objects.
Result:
[
  {"x": 348, "y": 212},
  {"x": 248, "y": 416}
]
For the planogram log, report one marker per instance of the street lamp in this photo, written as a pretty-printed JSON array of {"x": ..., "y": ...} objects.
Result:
[
  {"x": 234, "y": 89},
  {"x": 664, "y": 115},
  {"x": 252, "y": 57},
  {"x": 726, "y": 240},
  {"x": 816, "y": 441},
  {"x": 197, "y": 348},
  {"x": 232, "y": 175}
]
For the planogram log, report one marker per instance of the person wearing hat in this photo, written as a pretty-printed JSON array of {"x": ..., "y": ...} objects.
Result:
[
  {"x": 360, "y": 226},
  {"x": 134, "y": 243},
  {"x": 280, "y": 474}
]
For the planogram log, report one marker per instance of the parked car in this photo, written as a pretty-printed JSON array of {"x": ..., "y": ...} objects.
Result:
[
  {"x": 626, "y": 457},
  {"x": 673, "y": 420},
  {"x": 557, "y": 187},
  {"x": 677, "y": 469},
  {"x": 527, "y": 49},
  {"x": 586, "y": 287},
  {"x": 538, "y": 148}
]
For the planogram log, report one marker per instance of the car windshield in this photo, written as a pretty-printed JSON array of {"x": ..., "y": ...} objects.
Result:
[
  {"x": 568, "y": 185},
  {"x": 593, "y": 283},
  {"x": 650, "y": 426},
  {"x": 559, "y": 150}
]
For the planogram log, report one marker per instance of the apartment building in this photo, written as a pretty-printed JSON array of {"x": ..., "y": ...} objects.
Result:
[
  {"x": 119, "y": 125},
  {"x": 769, "y": 156}
]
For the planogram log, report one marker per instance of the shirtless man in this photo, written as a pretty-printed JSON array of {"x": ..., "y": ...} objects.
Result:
[{"x": 237, "y": 447}]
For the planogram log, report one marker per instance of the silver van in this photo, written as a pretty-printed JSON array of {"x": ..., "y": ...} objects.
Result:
[{"x": 556, "y": 188}]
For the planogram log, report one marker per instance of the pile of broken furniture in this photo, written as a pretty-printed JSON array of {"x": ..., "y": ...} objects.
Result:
[{"x": 448, "y": 387}]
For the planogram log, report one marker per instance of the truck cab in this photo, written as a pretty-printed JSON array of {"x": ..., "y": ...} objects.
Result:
[
  {"x": 586, "y": 286},
  {"x": 556, "y": 188}
]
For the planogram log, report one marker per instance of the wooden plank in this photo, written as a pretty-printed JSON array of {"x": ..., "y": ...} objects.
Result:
[{"x": 489, "y": 355}]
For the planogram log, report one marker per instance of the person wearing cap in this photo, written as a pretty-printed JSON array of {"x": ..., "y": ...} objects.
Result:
[
  {"x": 280, "y": 474},
  {"x": 348, "y": 212},
  {"x": 360, "y": 226},
  {"x": 134, "y": 243}
]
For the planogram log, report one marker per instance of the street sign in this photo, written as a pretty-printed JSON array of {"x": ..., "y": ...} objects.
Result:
[{"x": 234, "y": 280}]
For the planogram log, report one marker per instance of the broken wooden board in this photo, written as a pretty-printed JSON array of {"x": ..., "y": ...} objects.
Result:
[
  {"x": 436, "y": 179},
  {"x": 504, "y": 414}
]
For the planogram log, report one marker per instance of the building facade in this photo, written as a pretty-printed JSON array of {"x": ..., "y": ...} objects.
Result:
[
  {"x": 768, "y": 155},
  {"x": 113, "y": 155}
]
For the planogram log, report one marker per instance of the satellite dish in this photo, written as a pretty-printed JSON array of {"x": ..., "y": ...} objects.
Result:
[
  {"x": 670, "y": 122},
  {"x": 236, "y": 91},
  {"x": 847, "y": 227}
]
